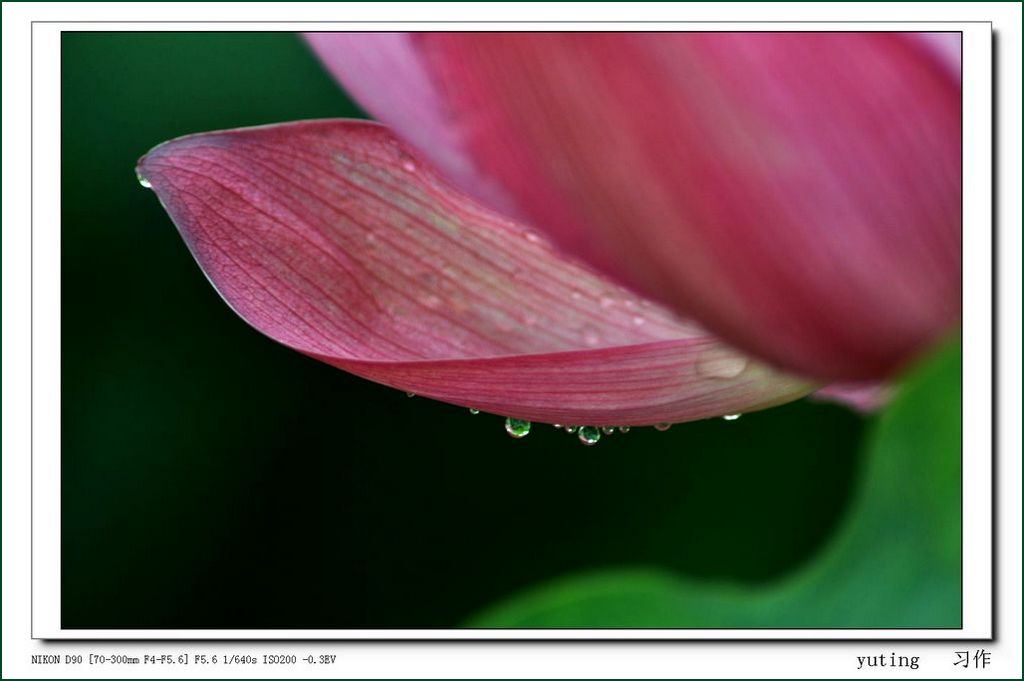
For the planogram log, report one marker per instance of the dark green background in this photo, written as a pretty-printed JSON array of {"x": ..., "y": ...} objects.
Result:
[{"x": 212, "y": 478}]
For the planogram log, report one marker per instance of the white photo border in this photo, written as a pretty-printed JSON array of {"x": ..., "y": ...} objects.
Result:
[
  {"x": 977, "y": 388},
  {"x": 977, "y": 325}
]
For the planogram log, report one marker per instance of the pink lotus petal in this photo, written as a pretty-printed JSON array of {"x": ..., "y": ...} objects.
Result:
[
  {"x": 799, "y": 193},
  {"x": 385, "y": 73},
  {"x": 863, "y": 397},
  {"x": 333, "y": 239}
]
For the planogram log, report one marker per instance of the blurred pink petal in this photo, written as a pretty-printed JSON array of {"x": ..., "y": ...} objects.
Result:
[
  {"x": 334, "y": 240},
  {"x": 798, "y": 193},
  {"x": 863, "y": 397},
  {"x": 945, "y": 47}
]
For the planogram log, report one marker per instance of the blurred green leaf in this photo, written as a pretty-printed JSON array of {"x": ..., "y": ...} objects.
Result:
[{"x": 895, "y": 563}]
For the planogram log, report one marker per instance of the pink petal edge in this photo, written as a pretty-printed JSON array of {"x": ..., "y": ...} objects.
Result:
[
  {"x": 797, "y": 193},
  {"x": 334, "y": 239},
  {"x": 861, "y": 397}
]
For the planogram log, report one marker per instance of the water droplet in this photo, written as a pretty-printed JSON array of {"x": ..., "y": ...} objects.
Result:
[
  {"x": 431, "y": 301},
  {"x": 623, "y": 429},
  {"x": 517, "y": 428},
  {"x": 663, "y": 426},
  {"x": 556, "y": 425},
  {"x": 570, "y": 429},
  {"x": 142, "y": 180},
  {"x": 531, "y": 236},
  {"x": 473, "y": 411},
  {"x": 371, "y": 238},
  {"x": 732, "y": 417},
  {"x": 607, "y": 301},
  {"x": 589, "y": 435},
  {"x": 576, "y": 294},
  {"x": 410, "y": 394},
  {"x": 721, "y": 365},
  {"x": 408, "y": 165},
  {"x": 638, "y": 320},
  {"x": 591, "y": 338},
  {"x": 608, "y": 430}
]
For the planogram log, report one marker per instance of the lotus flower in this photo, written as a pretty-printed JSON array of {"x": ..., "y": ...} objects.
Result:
[{"x": 596, "y": 228}]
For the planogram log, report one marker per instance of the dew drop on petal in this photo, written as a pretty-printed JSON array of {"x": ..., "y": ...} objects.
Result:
[
  {"x": 591, "y": 338},
  {"x": 570, "y": 429},
  {"x": 623, "y": 429},
  {"x": 410, "y": 394},
  {"x": 719, "y": 365},
  {"x": 638, "y": 320},
  {"x": 531, "y": 236},
  {"x": 142, "y": 180},
  {"x": 663, "y": 426},
  {"x": 431, "y": 301},
  {"x": 731, "y": 417},
  {"x": 473, "y": 411},
  {"x": 607, "y": 302},
  {"x": 608, "y": 430},
  {"x": 517, "y": 428},
  {"x": 589, "y": 435}
]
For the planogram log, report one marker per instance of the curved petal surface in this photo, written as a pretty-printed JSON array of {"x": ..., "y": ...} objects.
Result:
[
  {"x": 798, "y": 193},
  {"x": 333, "y": 239}
]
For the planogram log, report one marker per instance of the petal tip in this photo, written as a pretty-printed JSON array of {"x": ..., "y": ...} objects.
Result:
[{"x": 318, "y": 235}]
